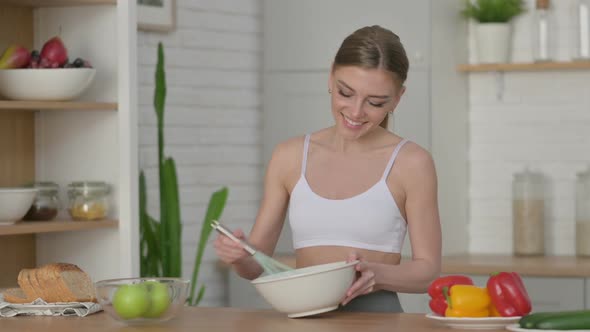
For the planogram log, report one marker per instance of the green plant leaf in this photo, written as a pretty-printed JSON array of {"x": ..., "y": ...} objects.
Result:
[
  {"x": 153, "y": 245},
  {"x": 144, "y": 254},
  {"x": 150, "y": 264},
  {"x": 214, "y": 210},
  {"x": 493, "y": 11},
  {"x": 159, "y": 103},
  {"x": 200, "y": 295},
  {"x": 173, "y": 223},
  {"x": 160, "y": 95}
]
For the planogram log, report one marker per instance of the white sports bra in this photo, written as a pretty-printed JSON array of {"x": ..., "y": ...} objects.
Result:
[{"x": 370, "y": 220}]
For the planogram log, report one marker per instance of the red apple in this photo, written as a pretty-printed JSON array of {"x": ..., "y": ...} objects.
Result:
[
  {"x": 15, "y": 56},
  {"x": 54, "y": 52}
]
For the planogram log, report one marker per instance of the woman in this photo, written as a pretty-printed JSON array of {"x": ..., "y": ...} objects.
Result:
[{"x": 350, "y": 188}]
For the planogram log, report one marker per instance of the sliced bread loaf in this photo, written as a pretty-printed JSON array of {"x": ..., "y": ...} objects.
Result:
[
  {"x": 48, "y": 283},
  {"x": 25, "y": 284},
  {"x": 15, "y": 295},
  {"x": 55, "y": 282},
  {"x": 75, "y": 283}
]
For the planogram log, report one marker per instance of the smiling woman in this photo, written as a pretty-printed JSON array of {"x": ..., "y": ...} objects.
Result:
[{"x": 338, "y": 213}]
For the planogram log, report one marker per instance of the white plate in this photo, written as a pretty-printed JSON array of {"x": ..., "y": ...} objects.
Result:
[
  {"x": 468, "y": 323},
  {"x": 517, "y": 328}
]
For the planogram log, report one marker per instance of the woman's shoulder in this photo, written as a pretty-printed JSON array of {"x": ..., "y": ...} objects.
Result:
[
  {"x": 414, "y": 158},
  {"x": 288, "y": 153},
  {"x": 290, "y": 146}
]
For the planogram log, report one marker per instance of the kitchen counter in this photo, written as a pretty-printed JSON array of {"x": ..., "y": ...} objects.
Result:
[
  {"x": 538, "y": 266},
  {"x": 232, "y": 319}
]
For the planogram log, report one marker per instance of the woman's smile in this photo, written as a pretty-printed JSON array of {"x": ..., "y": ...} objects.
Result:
[{"x": 349, "y": 123}]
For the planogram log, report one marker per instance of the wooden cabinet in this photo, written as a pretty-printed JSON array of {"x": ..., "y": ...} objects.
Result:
[{"x": 91, "y": 138}]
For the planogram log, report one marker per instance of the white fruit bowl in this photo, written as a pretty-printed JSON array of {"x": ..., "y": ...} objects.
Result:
[
  {"x": 14, "y": 203},
  {"x": 45, "y": 84},
  {"x": 307, "y": 291}
]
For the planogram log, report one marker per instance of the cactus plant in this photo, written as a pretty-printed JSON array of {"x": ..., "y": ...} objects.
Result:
[{"x": 160, "y": 241}]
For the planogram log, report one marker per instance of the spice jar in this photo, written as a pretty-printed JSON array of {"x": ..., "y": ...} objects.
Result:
[
  {"x": 46, "y": 204},
  {"x": 528, "y": 208},
  {"x": 88, "y": 200},
  {"x": 583, "y": 213}
]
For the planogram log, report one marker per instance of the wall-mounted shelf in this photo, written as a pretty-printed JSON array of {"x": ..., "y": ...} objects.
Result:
[
  {"x": 35, "y": 227},
  {"x": 540, "y": 66},
  {"x": 57, "y": 105},
  {"x": 55, "y": 3}
]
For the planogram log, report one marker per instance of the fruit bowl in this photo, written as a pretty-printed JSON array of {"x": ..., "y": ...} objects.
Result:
[
  {"x": 45, "y": 84},
  {"x": 14, "y": 203},
  {"x": 307, "y": 291},
  {"x": 138, "y": 301}
]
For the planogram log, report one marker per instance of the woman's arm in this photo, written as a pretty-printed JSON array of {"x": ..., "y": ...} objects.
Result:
[
  {"x": 421, "y": 206},
  {"x": 420, "y": 186},
  {"x": 271, "y": 215}
]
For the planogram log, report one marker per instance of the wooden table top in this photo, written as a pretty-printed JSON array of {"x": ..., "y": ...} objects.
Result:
[{"x": 232, "y": 319}]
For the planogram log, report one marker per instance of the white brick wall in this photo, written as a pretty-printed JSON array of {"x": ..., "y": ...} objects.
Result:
[
  {"x": 541, "y": 121},
  {"x": 212, "y": 118}
]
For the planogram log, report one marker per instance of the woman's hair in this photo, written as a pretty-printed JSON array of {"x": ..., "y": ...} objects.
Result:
[{"x": 375, "y": 47}]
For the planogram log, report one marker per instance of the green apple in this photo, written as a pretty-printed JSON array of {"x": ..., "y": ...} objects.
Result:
[
  {"x": 159, "y": 299},
  {"x": 131, "y": 301}
]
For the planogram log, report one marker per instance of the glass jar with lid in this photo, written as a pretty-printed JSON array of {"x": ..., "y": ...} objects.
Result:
[
  {"x": 46, "y": 205},
  {"x": 528, "y": 213},
  {"x": 583, "y": 213},
  {"x": 88, "y": 200}
]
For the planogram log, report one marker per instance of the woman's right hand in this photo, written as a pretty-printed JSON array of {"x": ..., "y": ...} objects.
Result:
[{"x": 229, "y": 251}]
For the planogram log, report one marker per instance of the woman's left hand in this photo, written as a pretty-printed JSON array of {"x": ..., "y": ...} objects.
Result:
[{"x": 365, "y": 281}]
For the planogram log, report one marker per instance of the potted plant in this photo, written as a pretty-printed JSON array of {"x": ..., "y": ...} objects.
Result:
[
  {"x": 161, "y": 240},
  {"x": 493, "y": 28}
]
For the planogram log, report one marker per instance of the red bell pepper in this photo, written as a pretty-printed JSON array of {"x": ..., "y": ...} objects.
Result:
[
  {"x": 436, "y": 290},
  {"x": 508, "y": 294}
]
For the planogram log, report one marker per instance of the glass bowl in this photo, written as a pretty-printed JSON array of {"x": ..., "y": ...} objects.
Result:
[{"x": 137, "y": 301}]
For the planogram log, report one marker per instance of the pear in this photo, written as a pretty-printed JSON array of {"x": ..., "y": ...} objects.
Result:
[
  {"x": 54, "y": 53},
  {"x": 15, "y": 56}
]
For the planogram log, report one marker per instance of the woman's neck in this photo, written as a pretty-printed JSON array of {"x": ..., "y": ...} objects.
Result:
[{"x": 343, "y": 144}]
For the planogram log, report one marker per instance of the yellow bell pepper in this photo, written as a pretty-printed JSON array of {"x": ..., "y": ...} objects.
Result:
[
  {"x": 493, "y": 311},
  {"x": 467, "y": 301}
]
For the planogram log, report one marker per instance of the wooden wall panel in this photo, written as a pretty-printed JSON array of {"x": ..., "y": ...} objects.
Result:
[
  {"x": 18, "y": 252},
  {"x": 17, "y": 148}
]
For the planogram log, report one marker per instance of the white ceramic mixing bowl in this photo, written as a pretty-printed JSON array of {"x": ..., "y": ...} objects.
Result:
[{"x": 307, "y": 291}]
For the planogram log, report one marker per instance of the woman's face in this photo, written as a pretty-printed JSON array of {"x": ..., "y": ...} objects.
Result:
[{"x": 361, "y": 99}]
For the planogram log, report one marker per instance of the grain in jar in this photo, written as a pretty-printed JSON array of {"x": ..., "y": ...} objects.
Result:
[
  {"x": 583, "y": 214},
  {"x": 528, "y": 213},
  {"x": 88, "y": 200}
]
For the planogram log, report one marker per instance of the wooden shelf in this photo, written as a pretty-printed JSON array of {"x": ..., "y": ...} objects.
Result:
[
  {"x": 55, "y": 3},
  {"x": 57, "y": 105},
  {"x": 540, "y": 66},
  {"x": 34, "y": 227}
]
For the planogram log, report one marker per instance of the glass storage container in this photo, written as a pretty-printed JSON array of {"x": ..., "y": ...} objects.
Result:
[
  {"x": 543, "y": 32},
  {"x": 88, "y": 200},
  {"x": 528, "y": 206},
  {"x": 583, "y": 214},
  {"x": 46, "y": 205},
  {"x": 581, "y": 23}
]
